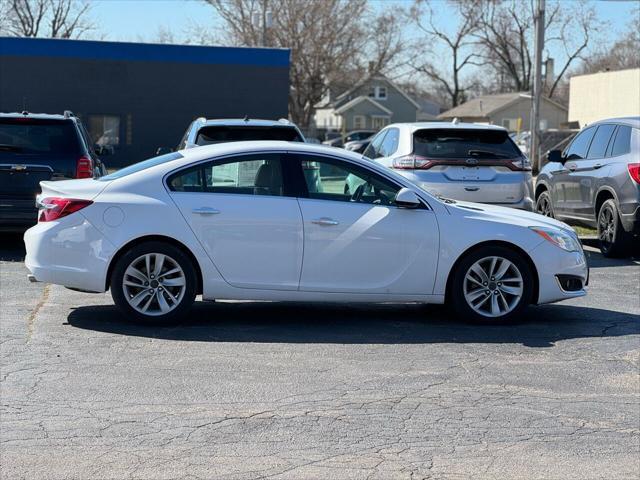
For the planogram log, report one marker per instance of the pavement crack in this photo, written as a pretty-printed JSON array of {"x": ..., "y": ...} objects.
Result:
[{"x": 31, "y": 319}]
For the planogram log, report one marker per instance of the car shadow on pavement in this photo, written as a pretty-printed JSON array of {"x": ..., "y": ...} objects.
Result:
[
  {"x": 263, "y": 322},
  {"x": 11, "y": 247}
]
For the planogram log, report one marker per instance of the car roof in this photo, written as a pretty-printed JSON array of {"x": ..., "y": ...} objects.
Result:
[
  {"x": 631, "y": 121},
  {"x": 38, "y": 116},
  {"x": 241, "y": 122},
  {"x": 413, "y": 126}
]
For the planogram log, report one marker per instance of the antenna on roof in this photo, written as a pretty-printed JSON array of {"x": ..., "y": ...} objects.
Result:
[
  {"x": 68, "y": 114},
  {"x": 246, "y": 118},
  {"x": 455, "y": 121}
]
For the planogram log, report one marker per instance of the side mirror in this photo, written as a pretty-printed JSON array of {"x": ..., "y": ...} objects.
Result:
[
  {"x": 101, "y": 150},
  {"x": 555, "y": 156},
  {"x": 163, "y": 150},
  {"x": 406, "y": 198}
]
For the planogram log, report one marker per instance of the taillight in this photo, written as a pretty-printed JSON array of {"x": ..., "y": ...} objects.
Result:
[
  {"x": 411, "y": 162},
  {"x": 84, "y": 168},
  {"x": 53, "y": 208},
  {"x": 634, "y": 171},
  {"x": 523, "y": 165}
]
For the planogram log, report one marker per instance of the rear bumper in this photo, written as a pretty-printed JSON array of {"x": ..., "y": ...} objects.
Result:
[
  {"x": 631, "y": 221},
  {"x": 69, "y": 252}
]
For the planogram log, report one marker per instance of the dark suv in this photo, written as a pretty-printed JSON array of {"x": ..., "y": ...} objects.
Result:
[
  {"x": 595, "y": 181},
  {"x": 36, "y": 147}
]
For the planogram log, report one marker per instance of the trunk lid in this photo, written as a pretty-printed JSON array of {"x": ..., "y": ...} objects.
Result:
[{"x": 83, "y": 189}]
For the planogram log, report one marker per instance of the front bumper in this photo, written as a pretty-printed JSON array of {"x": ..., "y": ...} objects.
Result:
[
  {"x": 552, "y": 261},
  {"x": 69, "y": 252}
]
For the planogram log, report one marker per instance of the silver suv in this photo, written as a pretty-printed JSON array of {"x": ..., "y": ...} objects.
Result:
[
  {"x": 595, "y": 182},
  {"x": 205, "y": 132},
  {"x": 462, "y": 161}
]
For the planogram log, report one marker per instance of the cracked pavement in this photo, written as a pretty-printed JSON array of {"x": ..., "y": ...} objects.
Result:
[{"x": 290, "y": 391}]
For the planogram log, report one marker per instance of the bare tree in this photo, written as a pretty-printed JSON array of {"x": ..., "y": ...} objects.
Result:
[
  {"x": 327, "y": 38},
  {"x": 505, "y": 32},
  {"x": 459, "y": 46},
  {"x": 45, "y": 18}
]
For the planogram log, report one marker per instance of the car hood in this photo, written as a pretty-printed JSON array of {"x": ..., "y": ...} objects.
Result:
[{"x": 506, "y": 215}]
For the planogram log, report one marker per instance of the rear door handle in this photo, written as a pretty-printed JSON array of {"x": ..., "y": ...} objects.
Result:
[
  {"x": 325, "y": 221},
  {"x": 205, "y": 211},
  {"x": 572, "y": 166},
  {"x": 597, "y": 166}
]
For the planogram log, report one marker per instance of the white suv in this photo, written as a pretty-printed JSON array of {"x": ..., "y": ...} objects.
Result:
[
  {"x": 206, "y": 132},
  {"x": 462, "y": 161}
]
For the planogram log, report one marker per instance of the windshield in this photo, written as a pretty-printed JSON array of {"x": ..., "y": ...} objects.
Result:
[
  {"x": 143, "y": 165},
  {"x": 38, "y": 136},
  {"x": 221, "y": 134},
  {"x": 462, "y": 144}
]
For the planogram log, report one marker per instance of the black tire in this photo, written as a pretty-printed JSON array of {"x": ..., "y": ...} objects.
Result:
[
  {"x": 186, "y": 297},
  {"x": 544, "y": 205},
  {"x": 456, "y": 295},
  {"x": 614, "y": 241}
]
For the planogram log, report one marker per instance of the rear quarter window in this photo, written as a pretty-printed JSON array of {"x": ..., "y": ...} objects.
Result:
[
  {"x": 463, "y": 144},
  {"x": 221, "y": 134},
  {"x": 38, "y": 136}
]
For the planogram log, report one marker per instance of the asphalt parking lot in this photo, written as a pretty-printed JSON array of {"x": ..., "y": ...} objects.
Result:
[{"x": 263, "y": 390}]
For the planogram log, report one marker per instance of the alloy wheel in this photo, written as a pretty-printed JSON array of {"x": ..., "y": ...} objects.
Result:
[
  {"x": 544, "y": 206},
  {"x": 154, "y": 284},
  {"x": 607, "y": 226},
  {"x": 493, "y": 286}
]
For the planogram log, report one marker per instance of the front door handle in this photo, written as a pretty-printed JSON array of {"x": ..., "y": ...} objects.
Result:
[
  {"x": 597, "y": 166},
  {"x": 325, "y": 221},
  {"x": 205, "y": 211},
  {"x": 572, "y": 166}
]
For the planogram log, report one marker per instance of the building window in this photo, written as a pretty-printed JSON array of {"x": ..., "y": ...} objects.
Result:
[
  {"x": 379, "y": 93},
  {"x": 380, "y": 122},
  {"x": 358, "y": 121},
  {"x": 510, "y": 124},
  {"x": 105, "y": 130}
]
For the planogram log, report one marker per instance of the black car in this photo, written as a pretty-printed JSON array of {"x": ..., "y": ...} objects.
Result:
[
  {"x": 595, "y": 182},
  {"x": 37, "y": 147}
]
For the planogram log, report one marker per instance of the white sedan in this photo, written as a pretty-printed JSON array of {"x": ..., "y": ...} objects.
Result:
[{"x": 272, "y": 221}]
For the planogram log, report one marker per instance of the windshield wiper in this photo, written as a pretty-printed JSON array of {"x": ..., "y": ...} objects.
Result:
[
  {"x": 445, "y": 200},
  {"x": 486, "y": 152}
]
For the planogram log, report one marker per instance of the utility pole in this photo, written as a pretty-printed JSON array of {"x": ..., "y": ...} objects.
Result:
[{"x": 537, "y": 86}]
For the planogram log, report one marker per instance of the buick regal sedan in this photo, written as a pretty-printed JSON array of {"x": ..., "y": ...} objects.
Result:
[{"x": 272, "y": 221}]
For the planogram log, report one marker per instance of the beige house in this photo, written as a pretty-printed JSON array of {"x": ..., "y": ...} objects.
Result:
[
  {"x": 509, "y": 110},
  {"x": 604, "y": 95}
]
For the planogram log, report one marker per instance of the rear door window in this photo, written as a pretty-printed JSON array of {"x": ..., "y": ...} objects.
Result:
[
  {"x": 600, "y": 141},
  {"x": 580, "y": 145},
  {"x": 390, "y": 142},
  {"x": 373, "y": 150},
  {"x": 622, "y": 142},
  {"x": 458, "y": 143},
  {"x": 221, "y": 134},
  {"x": 38, "y": 136},
  {"x": 259, "y": 174}
]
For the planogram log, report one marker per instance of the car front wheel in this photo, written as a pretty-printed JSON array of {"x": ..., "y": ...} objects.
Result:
[
  {"x": 491, "y": 285},
  {"x": 154, "y": 282}
]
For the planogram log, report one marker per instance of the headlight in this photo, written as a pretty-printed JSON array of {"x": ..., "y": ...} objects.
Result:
[{"x": 560, "y": 238}]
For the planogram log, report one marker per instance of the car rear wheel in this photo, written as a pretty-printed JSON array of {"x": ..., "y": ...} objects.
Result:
[
  {"x": 491, "y": 285},
  {"x": 543, "y": 204},
  {"x": 614, "y": 241},
  {"x": 154, "y": 282}
]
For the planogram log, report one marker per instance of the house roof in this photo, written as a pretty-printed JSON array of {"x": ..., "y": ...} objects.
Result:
[
  {"x": 487, "y": 105},
  {"x": 362, "y": 98},
  {"x": 378, "y": 77}
]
